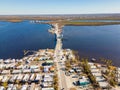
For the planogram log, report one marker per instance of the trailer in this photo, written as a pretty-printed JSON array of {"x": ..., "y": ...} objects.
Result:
[
  {"x": 32, "y": 77},
  {"x": 38, "y": 77},
  {"x": 13, "y": 78},
  {"x": 26, "y": 77},
  {"x": 20, "y": 77},
  {"x": 5, "y": 79},
  {"x": 24, "y": 87}
]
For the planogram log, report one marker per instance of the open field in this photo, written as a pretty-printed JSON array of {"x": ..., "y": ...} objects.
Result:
[{"x": 89, "y": 23}]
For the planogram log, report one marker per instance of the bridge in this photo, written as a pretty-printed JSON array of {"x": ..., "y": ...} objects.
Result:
[{"x": 58, "y": 54}]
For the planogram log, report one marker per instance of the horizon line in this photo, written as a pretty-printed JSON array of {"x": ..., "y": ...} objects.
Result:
[{"x": 61, "y": 14}]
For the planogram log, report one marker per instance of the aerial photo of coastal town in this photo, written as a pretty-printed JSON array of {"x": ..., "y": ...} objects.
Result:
[{"x": 60, "y": 45}]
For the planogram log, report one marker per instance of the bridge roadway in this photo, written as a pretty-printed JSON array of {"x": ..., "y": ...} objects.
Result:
[{"x": 57, "y": 58}]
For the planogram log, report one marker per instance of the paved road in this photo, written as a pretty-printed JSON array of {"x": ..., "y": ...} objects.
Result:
[
  {"x": 63, "y": 79},
  {"x": 57, "y": 57}
]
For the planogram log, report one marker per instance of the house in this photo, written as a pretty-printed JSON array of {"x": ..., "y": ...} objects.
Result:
[
  {"x": 83, "y": 81},
  {"x": 47, "y": 88},
  {"x": 47, "y": 84},
  {"x": 32, "y": 77},
  {"x": 48, "y": 78},
  {"x": 24, "y": 87},
  {"x": 100, "y": 79},
  {"x": 26, "y": 78},
  {"x": 103, "y": 85},
  {"x": 38, "y": 78},
  {"x": 46, "y": 68},
  {"x": 5, "y": 71},
  {"x": 20, "y": 77},
  {"x": 13, "y": 78},
  {"x": 26, "y": 71},
  {"x": 16, "y": 71},
  {"x": 5, "y": 79}
]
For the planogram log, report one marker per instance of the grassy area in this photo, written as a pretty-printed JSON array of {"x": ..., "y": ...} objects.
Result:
[
  {"x": 15, "y": 20},
  {"x": 64, "y": 20},
  {"x": 88, "y": 23}
]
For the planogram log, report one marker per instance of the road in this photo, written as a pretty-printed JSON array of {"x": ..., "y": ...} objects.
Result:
[{"x": 57, "y": 58}]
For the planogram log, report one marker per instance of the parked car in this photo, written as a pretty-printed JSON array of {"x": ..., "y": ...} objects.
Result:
[{"x": 75, "y": 83}]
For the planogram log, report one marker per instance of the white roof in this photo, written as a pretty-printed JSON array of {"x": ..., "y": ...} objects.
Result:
[
  {"x": 26, "y": 77},
  {"x": 32, "y": 77},
  {"x": 20, "y": 76},
  {"x": 5, "y": 71},
  {"x": 2, "y": 88},
  {"x": 98, "y": 79},
  {"x": 26, "y": 71},
  {"x": 97, "y": 74},
  {"x": 9, "y": 88},
  {"x": 1, "y": 77},
  {"x": 16, "y": 71},
  {"x": 14, "y": 77},
  {"x": 36, "y": 70},
  {"x": 91, "y": 63},
  {"x": 103, "y": 84},
  {"x": 34, "y": 66},
  {"x": 5, "y": 78},
  {"x": 47, "y": 88},
  {"x": 93, "y": 67},
  {"x": 20, "y": 66},
  {"x": 95, "y": 70},
  {"x": 46, "y": 84},
  {"x": 38, "y": 77},
  {"x": 84, "y": 79},
  {"x": 49, "y": 79},
  {"x": 37, "y": 88},
  {"x": 24, "y": 87}
]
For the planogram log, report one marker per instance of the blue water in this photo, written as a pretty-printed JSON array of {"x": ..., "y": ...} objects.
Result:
[
  {"x": 90, "y": 41},
  {"x": 94, "y": 41},
  {"x": 16, "y": 37}
]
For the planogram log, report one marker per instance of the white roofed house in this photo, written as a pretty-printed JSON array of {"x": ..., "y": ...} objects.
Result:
[
  {"x": 1, "y": 77},
  {"x": 5, "y": 79},
  {"x": 20, "y": 67},
  {"x": 47, "y": 80},
  {"x": 48, "y": 89},
  {"x": 100, "y": 79},
  {"x": 36, "y": 70},
  {"x": 38, "y": 78},
  {"x": 34, "y": 66},
  {"x": 26, "y": 78},
  {"x": 32, "y": 77},
  {"x": 2, "y": 66},
  {"x": 2, "y": 88},
  {"x": 46, "y": 68},
  {"x": 26, "y": 70},
  {"x": 47, "y": 84},
  {"x": 118, "y": 76},
  {"x": 16, "y": 71},
  {"x": 103, "y": 85},
  {"x": 24, "y": 87},
  {"x": 5, "y": 72},
  {"x": 13, "y": 78},
  {"x": 20, "y": 77}
]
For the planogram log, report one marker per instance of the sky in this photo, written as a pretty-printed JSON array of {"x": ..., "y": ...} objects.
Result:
[{"x": 14, "y": 7}]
